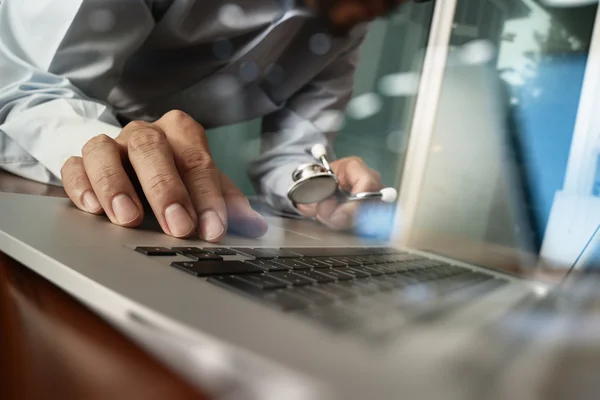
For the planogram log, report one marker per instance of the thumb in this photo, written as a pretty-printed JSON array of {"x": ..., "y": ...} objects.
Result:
[
  {"x": 308, "y": 210},
  {"x": 242, "y": 219}
]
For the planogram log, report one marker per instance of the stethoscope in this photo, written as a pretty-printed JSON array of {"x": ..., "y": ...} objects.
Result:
[{"x": 314, "y": 183}]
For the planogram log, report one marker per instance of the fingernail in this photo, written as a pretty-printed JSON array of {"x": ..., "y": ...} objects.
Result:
[
  {"x": 90, "y": 202},
  {"x": 125, "y": 209},
  {"x": 211, "y": 226},
  {"x": 341, "y": 220},
  {"x": 179, "y": 221}
]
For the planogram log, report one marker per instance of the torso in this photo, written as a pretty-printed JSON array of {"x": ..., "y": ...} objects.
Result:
[{"x": 222, "y": 66}]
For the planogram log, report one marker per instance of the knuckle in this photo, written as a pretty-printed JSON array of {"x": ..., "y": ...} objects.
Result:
[
  {"x": 106, "y": 177},
  {"x": 195, "y": 159},
  {"x": 69, "y": 164},
  {"x": 146, "y": 139},
  {"x": 177, "y": 117},
  {"x": 72, "y": 175},
  {"x": 137, "y": 125},
  {"x": 162, "y": 183},
  {"x": 355, "y": 162},
  {"x": 376, "y": 175},
  {"x": 97, "y": 143},
  {"x": 183, "y": 120}
]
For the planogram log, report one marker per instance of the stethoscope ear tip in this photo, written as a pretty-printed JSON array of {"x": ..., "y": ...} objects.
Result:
[
  {"x": 318, "y": 151},
  {"x": 389, "y": 195}
]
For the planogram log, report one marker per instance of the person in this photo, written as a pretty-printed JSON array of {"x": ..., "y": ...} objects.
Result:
[{"x": 111, "y": 99}]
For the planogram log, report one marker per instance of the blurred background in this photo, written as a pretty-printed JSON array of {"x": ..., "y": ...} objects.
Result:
[
  {"x": 377, "y": 124},
  {"x": 540, "y": 53}
]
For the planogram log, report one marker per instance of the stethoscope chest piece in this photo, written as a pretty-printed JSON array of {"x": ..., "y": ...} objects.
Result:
[{"x": 312, "y": 184}]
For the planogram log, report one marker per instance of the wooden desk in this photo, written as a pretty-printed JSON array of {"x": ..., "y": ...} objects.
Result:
[{"x": 52, "y": 347}]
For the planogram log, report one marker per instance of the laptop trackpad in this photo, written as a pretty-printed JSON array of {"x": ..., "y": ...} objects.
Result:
[{"x": 281, "y": 232}]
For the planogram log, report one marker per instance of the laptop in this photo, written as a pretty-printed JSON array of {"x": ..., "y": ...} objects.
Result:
[{"x": 301, "y": 313}]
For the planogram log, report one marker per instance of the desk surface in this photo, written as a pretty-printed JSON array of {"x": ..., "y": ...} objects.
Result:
[{"x": 51, "y": 346}]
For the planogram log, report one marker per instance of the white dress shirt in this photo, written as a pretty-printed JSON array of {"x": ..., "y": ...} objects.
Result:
[{"x": 73, "y": 69}]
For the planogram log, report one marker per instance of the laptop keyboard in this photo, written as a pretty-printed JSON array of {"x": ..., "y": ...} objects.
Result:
[{"x": 372, "y": 292}]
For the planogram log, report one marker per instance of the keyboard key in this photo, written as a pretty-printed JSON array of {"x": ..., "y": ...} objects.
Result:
[
  {"x": 292, "y": 278},
  {"x": 366, "y": 270},
  {"x": 314, "y": 263},
  {"x": 201, "y": 256},
  {"x": 315, "y": 296},
  {"x": 263, "y": 282},
  {"x": 268, "y": 265},
  {"x": 291, "y": 263},
  {"x": 347, "y": 261},
  {"x": 354, "y": 272},
  {"x": 316, "y": 276},
  {"x": 403, "y": 266},
  {"x": 339, "y": 274},
  {"x": 425, "y": 263},
  {"x": 330, "y": 261},
  {"x": 212, "y": 268},
  {"x": 187, "y": 249},
  {"x": 258, "y": 254},
  {"x": 278, "y": 299},
  {"x": 155, "y": 251},
  {"x": 385, "y": 268},
  {"x": 366, "y": 260},
  {"x": 404, "y": 257},
  {"x": 233, "y": 283},
  {"x": 280, "y": 253},
  {"x": 330, "y": 251},
  {"x": 220, "y": 251},
  {"x": 377, "y": 259},
  {"x": 372, "y": 271}
]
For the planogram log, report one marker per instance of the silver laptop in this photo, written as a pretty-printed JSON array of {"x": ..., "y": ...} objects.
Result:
[{"x": 302, "y": 313}]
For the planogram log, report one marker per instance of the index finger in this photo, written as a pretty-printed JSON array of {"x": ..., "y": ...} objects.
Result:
[
  {"x": 194, "y": 162},
  {"x": 152, "y": 160}
]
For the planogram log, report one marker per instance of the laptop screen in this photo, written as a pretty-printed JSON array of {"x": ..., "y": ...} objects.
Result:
[{"x": 497, "y": 185}]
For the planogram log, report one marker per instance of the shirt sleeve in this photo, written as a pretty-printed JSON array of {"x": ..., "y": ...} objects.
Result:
[
  {"x": 311, "y": 116},
  {"x": 59, "y": 59}
]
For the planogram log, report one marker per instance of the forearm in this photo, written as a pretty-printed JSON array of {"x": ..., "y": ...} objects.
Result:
[
  {"x": 314, "y": 115},
  {"x": 41, "y": 138}
]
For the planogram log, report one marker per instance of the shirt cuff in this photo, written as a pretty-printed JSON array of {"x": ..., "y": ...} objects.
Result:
[{"x": 54, "y": 131}]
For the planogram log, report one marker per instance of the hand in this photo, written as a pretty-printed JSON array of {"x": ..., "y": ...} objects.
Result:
[
  {"x": 177, "y": 175},
  {"x": 355, "y": 177}
]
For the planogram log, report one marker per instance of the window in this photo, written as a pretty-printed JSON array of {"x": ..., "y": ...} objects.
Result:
[{"x": 542, "y": 58}]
